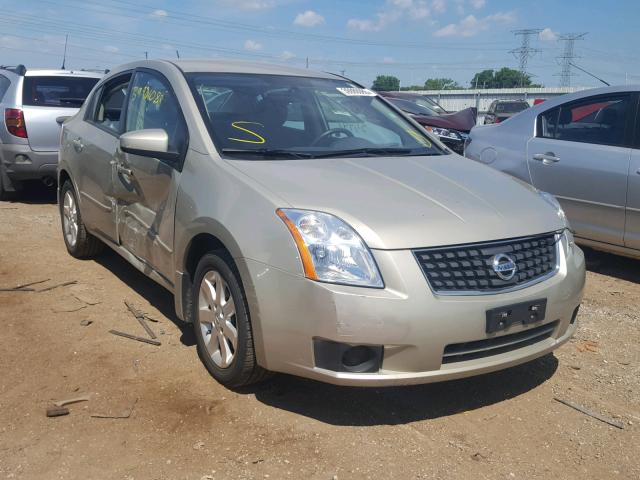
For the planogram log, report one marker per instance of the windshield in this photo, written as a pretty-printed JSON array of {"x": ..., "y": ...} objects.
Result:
[
  {"x": 413, "y": 107},
  {"x": 273, "y": 116},
  {"x": 511, "y": 107},
  {"x": 56, "y": 91}
]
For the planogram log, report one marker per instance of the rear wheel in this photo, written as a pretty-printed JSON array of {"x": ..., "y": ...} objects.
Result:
[
  {"x": 221, "y": 323},
  {"x": 79, "y": 242}
]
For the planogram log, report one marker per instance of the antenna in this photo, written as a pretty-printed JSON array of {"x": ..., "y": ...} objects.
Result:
[
  {"x": 589, "y": 73},
  {"x": 567, "y": 56},
  {"x": 64, "y": 57},
  {"x": 525, "y": 51},
  {"x": 146, "y": 55},
  {"x": 177, "y": 54}
]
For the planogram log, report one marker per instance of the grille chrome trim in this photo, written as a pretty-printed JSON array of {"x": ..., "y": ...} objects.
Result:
[
  {"x": 462, "y": 352},
  {"x": 456, "y": 293}
]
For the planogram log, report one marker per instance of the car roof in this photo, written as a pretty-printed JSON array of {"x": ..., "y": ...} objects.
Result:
[
  {"x": 228, "y": 66},
  {"x": 63, "y": 73}
]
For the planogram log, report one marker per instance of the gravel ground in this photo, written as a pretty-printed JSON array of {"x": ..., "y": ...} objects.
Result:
[{"x": 181, "y": 424}]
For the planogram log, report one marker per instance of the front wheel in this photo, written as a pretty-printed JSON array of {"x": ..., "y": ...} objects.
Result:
[{"x": 221, "y": 323}]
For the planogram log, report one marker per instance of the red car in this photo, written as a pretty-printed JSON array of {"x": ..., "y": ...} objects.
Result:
[{"x": 451, "y": 128}]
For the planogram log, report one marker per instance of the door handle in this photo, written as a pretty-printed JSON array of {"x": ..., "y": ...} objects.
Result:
[
  {"x": 124, "y": 170},
  {"x": 77, "y": 145},
  {"x": 546, "y": 158}
]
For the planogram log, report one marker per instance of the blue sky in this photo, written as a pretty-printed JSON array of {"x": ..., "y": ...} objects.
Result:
[{"x": 411, "y": 39}]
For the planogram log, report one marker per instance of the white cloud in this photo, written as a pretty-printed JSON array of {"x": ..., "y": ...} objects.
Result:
[
  {"x": 396, "y": 10},
  {"x": 439, "y": 6},
  {"x": 252, "y": 46},
  {"x": 287, "y": 55},
  {"x": 250, "y": 5},
  {"x": 308, "y": 19},
  {"x": 470, "y": 25},
  {"x": 111, "y": 49},
  {"x": 477, "y": 4},
  {"x": 548, "y": 35},
  {"x": 388, "y": 60},
  {"x": 159, "y": 14}
]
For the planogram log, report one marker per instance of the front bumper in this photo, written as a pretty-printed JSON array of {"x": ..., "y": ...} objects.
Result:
[
  {"x": 20, "y": 162},
  {"x": 412, "y": 324}
]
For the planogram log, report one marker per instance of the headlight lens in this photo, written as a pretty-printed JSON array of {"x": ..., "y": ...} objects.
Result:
[
  {"x": 444, "y": 133},
  {"x": 566, "y": 239},
  {"x": 330, "y": 250},
  {"x": 551, "y": 200}
]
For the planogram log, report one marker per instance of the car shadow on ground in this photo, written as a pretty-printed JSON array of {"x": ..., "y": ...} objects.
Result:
[
  {"x": 617, "y": 266},
  {"x": 34, "y": 193},
  {"x": 351, "y": 406},
  {"x": 157, "y": 296}
]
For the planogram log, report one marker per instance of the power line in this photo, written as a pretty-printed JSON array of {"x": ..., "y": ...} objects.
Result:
[
  {"x": 525, "y": 51},
  {"x": 567, "y": 57}
]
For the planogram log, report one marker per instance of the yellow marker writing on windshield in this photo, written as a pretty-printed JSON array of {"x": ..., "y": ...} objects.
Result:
[
  {"x": 419, "y": 138},
  {"x": 259, "y": 138}
]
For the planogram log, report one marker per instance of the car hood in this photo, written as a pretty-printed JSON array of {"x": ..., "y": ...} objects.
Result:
[
  {"x": 464, "y": 120},
  {"x": 409, "y": 202}
]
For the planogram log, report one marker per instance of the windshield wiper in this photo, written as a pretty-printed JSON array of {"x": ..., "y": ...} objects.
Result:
[
  {"x": 370, "y": 152},
  {"x": 270, "y": 153}
]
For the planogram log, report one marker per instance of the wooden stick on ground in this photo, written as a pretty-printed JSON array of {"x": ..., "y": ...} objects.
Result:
[
  {"x": 63, "y": 284},
  {"x": 141, "y": 317},
  {"x": 597, "y": 416},
  {"x": 134, "y": 337}
]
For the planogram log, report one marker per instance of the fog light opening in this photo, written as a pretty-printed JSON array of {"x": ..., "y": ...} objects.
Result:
[
  {"x": 575, "y": 315},
  {"x": 359, "y": 359}
]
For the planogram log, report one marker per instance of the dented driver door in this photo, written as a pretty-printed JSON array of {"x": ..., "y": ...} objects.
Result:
[{"x": 146, "y": 186}]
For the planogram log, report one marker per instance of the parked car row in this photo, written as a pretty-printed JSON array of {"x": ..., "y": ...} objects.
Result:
[
  {"x": 306, "y": 225},
  {"x": 584, "y": 148},
  {"x": 32, "y": 101}
]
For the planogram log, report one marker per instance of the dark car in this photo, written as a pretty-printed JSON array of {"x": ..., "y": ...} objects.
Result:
[
  {"x": 500, "y": 110},
  {"x": 451, "y": 128}
]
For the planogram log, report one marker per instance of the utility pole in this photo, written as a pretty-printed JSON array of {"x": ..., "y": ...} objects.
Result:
[
  {"x": 525, "y": 51},
  {"x": 568, "y": 55},
  {"x": 64, "y": 57}
]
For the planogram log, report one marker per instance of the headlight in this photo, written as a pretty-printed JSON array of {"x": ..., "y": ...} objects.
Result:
[
  {"x": 330, "y": 250},
  {"x": 566, "y": 236},
  {"x": 551, "y": 200},
  {"x": 444, "y": 133}
]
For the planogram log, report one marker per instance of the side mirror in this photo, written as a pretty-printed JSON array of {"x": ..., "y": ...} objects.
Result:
[
  {"x": 60, "y": 120},
  {"x": 153, "y": 142}
]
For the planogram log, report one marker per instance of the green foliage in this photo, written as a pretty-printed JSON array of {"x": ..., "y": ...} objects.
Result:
[
  {"x": 385, "y": 83},
  {"x": 503, "y": 78},
  {"x": 441, "y": 84}
]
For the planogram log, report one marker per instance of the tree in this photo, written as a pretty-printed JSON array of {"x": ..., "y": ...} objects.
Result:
[
  {"x": 503, "y": 78},
  {"x": 385, "y": 83},
  {"x": 441, "y": 84}
]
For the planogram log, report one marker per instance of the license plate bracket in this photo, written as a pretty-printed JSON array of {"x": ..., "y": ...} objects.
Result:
[{"x": 501, "y": 318}]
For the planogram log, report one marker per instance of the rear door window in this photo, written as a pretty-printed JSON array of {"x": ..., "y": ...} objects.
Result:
[
  {"x": 4, "y": 86},
  {"x": 56, "y": 91},
  {"x": 109, "y": 108}
]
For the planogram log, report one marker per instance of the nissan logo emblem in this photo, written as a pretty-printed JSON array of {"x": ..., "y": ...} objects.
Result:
[{"x": 505, "y": 266}]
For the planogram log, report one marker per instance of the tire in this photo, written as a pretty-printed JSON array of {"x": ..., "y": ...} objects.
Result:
[
  {"x": 218, "y": 307},
  {"x": 79, "y": 242}
]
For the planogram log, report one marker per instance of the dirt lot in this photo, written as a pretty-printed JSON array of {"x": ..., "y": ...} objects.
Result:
[{"x": 186, "y": 426}]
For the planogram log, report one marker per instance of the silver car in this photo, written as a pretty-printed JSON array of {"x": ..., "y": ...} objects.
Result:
[
  {"x": 31, "y": 101},
  {"x": 584, "y": 148},
  {"x": 306, "y": 226}
]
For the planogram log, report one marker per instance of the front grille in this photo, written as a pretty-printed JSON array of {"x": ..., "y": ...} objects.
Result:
[
  {"x": 460, "y": 352},
  {"x": 469, "y": 268}
]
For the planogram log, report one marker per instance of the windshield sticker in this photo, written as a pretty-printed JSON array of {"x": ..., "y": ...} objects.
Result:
[
  {"x": 356, "y": 92},
  {"x": 149, "y": 94},
  {"x": 258, "y": 139},
  {"x": 419, "y": 138}
]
